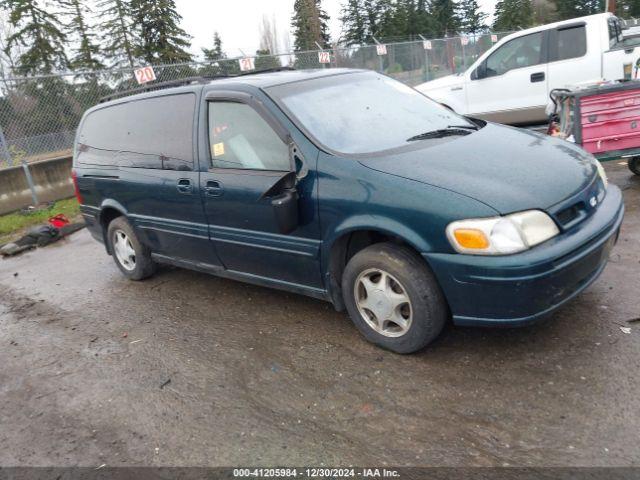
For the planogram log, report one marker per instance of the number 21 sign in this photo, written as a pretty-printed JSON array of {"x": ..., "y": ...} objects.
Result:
[
  {"x": 247, "y": 64},
  {"x": 144, "y": 75}
]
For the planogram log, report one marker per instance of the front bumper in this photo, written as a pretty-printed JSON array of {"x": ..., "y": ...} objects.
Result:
[{"x": 519, "y": 289}]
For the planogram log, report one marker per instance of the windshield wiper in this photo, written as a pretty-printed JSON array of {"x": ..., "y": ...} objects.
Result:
[{"x": 451, "y": 130}]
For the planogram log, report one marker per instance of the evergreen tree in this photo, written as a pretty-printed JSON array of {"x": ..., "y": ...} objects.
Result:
[
  {"x": 446, "y": 17},
  {"x": 118, "y": 37},
  {"x": 215, "y": 53},
  {"x": 40, "y": 33},
  {"x": 513, "y": 15},
  {"x": 161, "y": 40},
  {"x": 628, "y": 8},
  {"x": 310, "y": 26},
  {"x": 420, "y": 21},
  {"x": 567, "y": 9},
  {"x": 265, "y": 60},
  {"x": 87, "y": 54},
  {"x": 544, "y": 11},
  {"x": 472, "y": 19},
  {"x": 376, "y": 12},
  {"x": 412, "y": 18},
  {"x": 354, "y": 23}
]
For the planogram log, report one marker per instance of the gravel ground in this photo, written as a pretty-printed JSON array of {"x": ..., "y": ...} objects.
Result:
[{"x": 186, "y": 369}]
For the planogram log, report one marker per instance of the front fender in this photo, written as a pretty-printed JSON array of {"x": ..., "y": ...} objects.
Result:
[
  {"x": 452, "y": 97},
  {"x": 381, "y": 224},
  {"x": 378, "y": 223}
]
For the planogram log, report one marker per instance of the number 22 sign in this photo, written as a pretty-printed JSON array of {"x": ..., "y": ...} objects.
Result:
[{"x": 144, "y": 75}]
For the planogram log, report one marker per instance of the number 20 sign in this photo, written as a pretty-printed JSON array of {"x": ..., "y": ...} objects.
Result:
[{"x": 144, "y": 75}]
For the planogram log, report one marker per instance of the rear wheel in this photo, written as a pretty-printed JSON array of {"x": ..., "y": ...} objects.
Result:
[
  {"x": 393, "y": 298},
  {"x": 132, "y": 257},
  {"x": 634, "y": 165}
]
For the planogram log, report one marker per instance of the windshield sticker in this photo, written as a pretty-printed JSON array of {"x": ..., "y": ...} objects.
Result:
[{"x": 218, "y": 149}]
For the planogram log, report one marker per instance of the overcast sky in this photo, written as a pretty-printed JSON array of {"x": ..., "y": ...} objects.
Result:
[{"x": 238, "y": 21}]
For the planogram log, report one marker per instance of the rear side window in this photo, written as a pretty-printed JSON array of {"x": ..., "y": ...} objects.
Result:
[
  {"x": 571, "y": 43},
  {"x": 150, "y": 133}
]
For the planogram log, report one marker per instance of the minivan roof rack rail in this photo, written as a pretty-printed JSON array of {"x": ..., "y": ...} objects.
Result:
[
  {"x": 152, "y": 86},
  {"x": 185, "y": 81}
]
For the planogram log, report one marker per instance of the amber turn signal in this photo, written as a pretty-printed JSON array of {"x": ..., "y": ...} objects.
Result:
[{"x": 471, "y": 238}]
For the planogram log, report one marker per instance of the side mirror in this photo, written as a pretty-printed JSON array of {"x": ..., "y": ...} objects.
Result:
[
  {"x": 285, "y": 208},
  {"x": 283, "y": 196}
]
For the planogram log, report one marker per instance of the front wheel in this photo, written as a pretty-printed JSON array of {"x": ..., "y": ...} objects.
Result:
[
  {"x": 634, "y": 165},
  {"x": 393, "y": 298},
  {"x": 131, "y": 256}
]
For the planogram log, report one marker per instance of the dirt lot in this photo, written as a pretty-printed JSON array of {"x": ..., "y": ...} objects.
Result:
[{"x": 188, "y": 369}]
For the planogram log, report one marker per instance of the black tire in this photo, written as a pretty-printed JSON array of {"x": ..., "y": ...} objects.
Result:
[
  {"x": 428, "y": 307},
  {"x": 634, "y": 165},
  {"x": 142, "y": 266}
]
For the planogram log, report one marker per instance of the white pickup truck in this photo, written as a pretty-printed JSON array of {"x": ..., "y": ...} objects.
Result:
[{"x": 510, "y": 83}]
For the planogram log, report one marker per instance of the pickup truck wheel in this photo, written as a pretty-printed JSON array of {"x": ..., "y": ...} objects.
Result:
[
  {"x": 132, "y": 257},
  {"x": 393, "y": 298},
  {"x": 634, "y": 165}
]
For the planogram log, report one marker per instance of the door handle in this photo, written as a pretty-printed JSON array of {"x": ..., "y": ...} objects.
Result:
[
  {"x": 213, "y": 188},
  {"x": 185, "y": 186},
  {"x": 537, "y": 77}
]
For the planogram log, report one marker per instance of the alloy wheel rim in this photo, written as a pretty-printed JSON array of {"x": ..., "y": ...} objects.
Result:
[
  {"x": 124, "y": 251},
  {"x": 383, "y": 303}
]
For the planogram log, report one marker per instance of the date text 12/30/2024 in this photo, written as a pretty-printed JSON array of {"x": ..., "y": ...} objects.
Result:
[{"x": 315, "y": 473}]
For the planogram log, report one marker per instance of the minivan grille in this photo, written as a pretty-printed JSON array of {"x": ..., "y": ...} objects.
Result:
[{"x": 579, "y": 207}]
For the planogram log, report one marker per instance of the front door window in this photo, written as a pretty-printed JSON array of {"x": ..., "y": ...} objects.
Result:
[
  {"x": 240, "y": 138},
  {"x": 520, "y": 52}
]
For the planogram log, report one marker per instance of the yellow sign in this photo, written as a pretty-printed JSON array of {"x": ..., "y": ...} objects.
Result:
[{"x": 218, "y": 149}]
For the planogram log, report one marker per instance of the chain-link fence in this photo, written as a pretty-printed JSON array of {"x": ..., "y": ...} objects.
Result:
[{"x": 39, "y": 115}]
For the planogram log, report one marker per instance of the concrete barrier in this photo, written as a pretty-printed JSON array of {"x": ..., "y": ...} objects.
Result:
[{"x": 52, "y": 179}]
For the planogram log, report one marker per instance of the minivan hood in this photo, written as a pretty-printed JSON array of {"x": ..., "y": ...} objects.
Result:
[{"x": 507, "y": 168}]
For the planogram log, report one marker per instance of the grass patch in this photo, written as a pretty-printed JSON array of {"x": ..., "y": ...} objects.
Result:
[{"x": 13, "y": 223}]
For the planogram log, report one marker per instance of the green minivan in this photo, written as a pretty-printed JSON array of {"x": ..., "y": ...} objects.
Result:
[{"x": 351, "y": 187}]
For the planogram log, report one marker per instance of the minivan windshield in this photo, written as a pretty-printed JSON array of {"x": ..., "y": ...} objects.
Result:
[{"x": 365, "y": 112}]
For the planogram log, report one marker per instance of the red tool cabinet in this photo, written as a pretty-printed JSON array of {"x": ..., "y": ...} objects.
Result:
[{"x": 603, "y": 119}]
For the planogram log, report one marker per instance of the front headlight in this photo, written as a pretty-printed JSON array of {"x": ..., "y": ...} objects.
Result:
[
  {"x": 602, "y": 173},
  {"x": 501, "y": 235}
]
